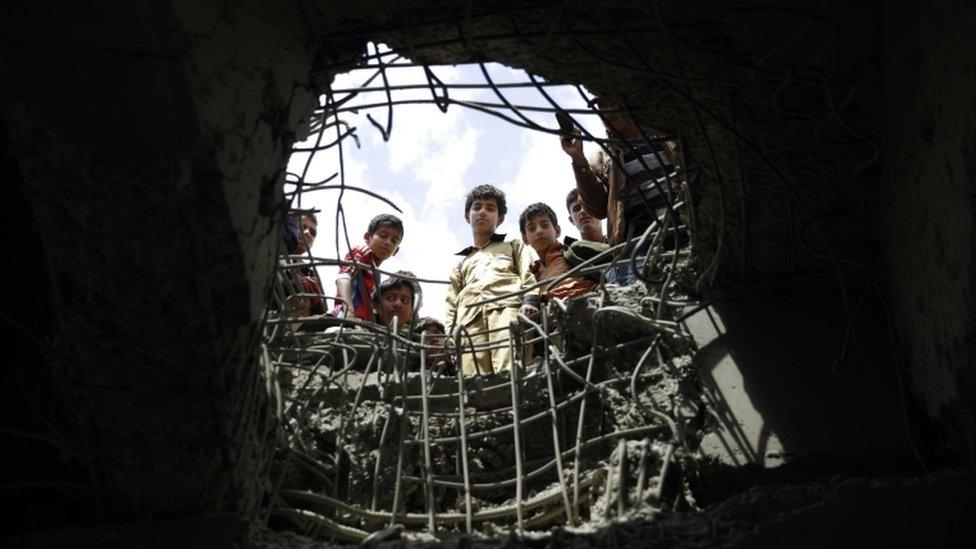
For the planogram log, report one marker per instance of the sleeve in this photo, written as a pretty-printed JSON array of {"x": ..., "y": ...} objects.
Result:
[
  {"x": 523, "y": 262},
  {"x": 453, "y": 289},
  {"x": 348, "y": 271},
  {"x": 592, "y": 190}
]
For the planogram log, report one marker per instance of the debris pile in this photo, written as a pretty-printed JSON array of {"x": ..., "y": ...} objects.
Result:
[{"x": 597, "y": 426}]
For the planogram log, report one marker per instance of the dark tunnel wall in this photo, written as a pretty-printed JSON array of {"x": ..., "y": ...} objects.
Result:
[
  {"x": 35, "y": 471},
  {"x": 152, "y": 137},
  {"x": 928, "y": 206}
]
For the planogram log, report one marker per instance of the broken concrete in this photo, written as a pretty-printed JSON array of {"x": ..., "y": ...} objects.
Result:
[
  {"x": 781, "y": 405},
  {"x": 150, "y": 140}
]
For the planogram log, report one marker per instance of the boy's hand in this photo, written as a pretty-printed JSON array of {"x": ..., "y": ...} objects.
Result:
[
  {"x": 528, "y": 310},
  {"x": 574, "y": 148}
]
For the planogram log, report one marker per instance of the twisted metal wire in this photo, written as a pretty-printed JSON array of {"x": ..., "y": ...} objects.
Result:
[{"x": 293, "y": 342}]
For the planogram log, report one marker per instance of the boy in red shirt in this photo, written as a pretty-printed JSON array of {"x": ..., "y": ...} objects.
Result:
[{"x": 356, "y": 285}]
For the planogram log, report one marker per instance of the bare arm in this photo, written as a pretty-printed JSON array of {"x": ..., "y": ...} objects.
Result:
[
  {"x": 344, "y": 291},
  {"x": 530, "y": 299},
  {"x": 593, "y": 192}
]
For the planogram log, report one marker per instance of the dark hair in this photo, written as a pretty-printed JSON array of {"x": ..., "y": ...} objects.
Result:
[
  {"x": 290, "y": 237},
  {"x": 573, "y": 196},
  {"x": 486, "y": 191},
  {"x": 533, "y": 210},
  {"x": 425, "y": 323},
  {"x": 401, "y": 279},
  {"x": 385, "y": 220}
]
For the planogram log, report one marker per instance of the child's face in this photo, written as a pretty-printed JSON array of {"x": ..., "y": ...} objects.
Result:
[
  {"x": 582, "y": 219},
  {"x": 309, "y": 231},
  {"x": 383, "y": 242},
  {"x": 397, "y": 302},
  {"x": 483, "y": 216},
  {"x": 436, "y": 345},
  {"x": 540, "y": 233}
]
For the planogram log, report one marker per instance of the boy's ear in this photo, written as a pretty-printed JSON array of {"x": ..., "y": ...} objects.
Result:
[
  {"x": 571, "y": 222},
  {"x": 366, "y": 236},
  {"x": 559, "y": 231},
  {"x": 501, "y": 219}
]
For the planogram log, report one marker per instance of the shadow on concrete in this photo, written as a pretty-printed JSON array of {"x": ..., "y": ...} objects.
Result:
[{"x": 780, "y": 405}]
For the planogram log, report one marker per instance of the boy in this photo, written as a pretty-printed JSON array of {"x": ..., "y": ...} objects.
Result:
[
  {"x": 302, "y": 279},
  {"x": 630, "y": 192},
  {"x": 491, "y": 268},
  {"x": 307, "y": 232},
  {"x": 437, "y": 353},
  {"x": 590, "y": 228},
  {"x": 398, "y": 296},
  {"x": 541, "y": 231},
  {"x": 355, "y": 285}
]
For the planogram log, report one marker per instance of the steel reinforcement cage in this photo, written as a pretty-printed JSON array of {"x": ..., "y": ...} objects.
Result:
[{"x": 325, "y": 360}]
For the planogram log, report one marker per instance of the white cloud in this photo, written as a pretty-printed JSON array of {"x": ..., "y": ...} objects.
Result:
[
  {"x": 430, "y": 161},
  {"x": 545, "y": 173}
]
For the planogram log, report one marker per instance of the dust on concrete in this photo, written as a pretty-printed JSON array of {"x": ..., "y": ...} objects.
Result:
[{"x": 623, "y": 480}]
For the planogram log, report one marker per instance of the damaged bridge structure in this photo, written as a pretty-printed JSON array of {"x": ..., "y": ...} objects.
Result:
[{"x": 801, "y": 372}]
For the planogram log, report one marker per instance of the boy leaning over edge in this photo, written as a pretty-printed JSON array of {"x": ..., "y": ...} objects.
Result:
[
  {"x": 491, "y": 268},
  {"x": 356, "y": 285}
]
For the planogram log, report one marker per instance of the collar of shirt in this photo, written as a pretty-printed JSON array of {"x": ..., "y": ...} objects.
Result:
[
  {"x": 545, "y": 258},
  {"x": 471, "y": 249},
  {"x": 569, "y": 241}
]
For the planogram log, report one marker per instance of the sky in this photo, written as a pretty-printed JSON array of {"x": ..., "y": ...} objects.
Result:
[{"x": 430, "y": 162}]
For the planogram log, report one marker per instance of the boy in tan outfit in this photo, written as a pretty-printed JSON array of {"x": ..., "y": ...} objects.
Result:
[{"x": 492, "y": 267}]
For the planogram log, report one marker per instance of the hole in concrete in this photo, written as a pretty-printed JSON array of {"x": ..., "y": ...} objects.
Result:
[
  {"x": 788, "y": 99},
  {"x": 601, "y": 371}
]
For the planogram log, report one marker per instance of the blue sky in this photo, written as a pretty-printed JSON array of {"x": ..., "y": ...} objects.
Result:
[{"x": 431, "y": 160}]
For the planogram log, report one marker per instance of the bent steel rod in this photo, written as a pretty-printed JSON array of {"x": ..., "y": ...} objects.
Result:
[
  {"x": 555, "y": 424},
  {"x": 397, "y": 489},
  {"x": 516, "y": 425},
  {"x": 442, "y": 481},
  {"x": 464, "y": 437},
  {"x": 340, "y": 531},
  {"x": 533, "y": 418},
  {"x": 386, "y": 427},
  {"x": 642, "y": 469},
  {"x": 582, "y": 417},
  {"x": 428, "y": 469},
  {"x": 539, "y": 501},
  {"x": 568, "y": 364},
  {"x": 621, "y": 477}
]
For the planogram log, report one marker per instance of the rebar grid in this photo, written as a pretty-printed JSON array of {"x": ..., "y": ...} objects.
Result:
[
  {"x": 325, "y": 363},
  {"x": 333, "y": 374}
]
